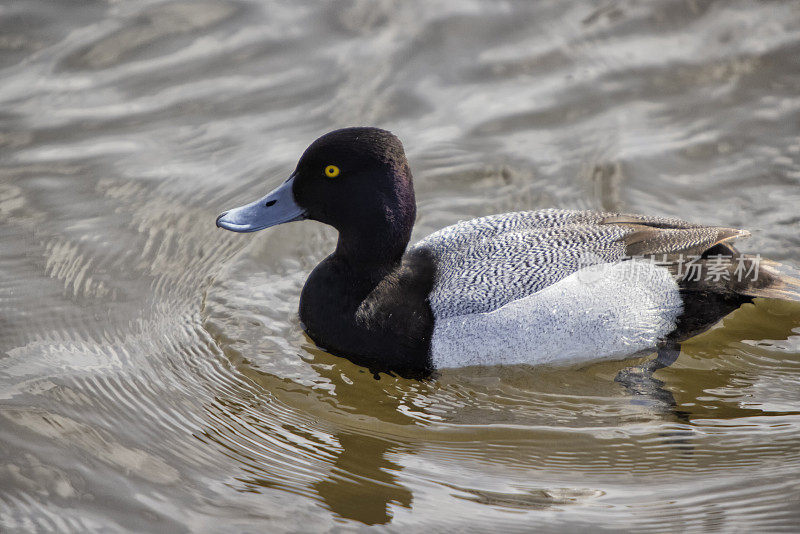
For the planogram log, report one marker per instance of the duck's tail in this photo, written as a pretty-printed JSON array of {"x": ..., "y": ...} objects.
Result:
[
  {"x": 737, "y": 277},
  {"x": 770, "y": 279}
]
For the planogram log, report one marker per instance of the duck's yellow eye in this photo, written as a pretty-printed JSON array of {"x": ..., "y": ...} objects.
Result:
[{"x": 331, "y": 171}]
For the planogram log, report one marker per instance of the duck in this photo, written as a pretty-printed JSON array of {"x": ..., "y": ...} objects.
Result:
[{"x": 548, "y": 286}]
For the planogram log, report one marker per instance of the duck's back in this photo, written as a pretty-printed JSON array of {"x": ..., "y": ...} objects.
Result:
[{"x": 485, "y": 263}]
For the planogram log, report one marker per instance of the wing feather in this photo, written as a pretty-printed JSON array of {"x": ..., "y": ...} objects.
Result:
[{"x": 485, "y": 263}]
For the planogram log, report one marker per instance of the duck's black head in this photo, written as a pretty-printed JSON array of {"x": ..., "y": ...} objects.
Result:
[{"x": 356, "y": 180}]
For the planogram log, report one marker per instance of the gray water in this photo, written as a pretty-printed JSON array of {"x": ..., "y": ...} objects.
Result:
[{"x": 153, "y": 373}]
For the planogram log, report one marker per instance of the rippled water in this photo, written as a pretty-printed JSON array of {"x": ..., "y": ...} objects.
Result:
[{"x": 153, "y": 374}]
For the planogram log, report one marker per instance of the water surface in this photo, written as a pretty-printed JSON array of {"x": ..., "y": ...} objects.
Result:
[{"x": 153, "y": 373}]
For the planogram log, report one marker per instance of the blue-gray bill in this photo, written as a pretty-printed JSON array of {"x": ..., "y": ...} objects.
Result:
[{"x": 276, "y": 208}]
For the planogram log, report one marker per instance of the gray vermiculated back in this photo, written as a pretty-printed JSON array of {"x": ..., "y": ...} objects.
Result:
[{"x": 485, "y": 263}]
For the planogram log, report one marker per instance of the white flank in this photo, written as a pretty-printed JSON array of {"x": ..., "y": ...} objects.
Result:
[{"x": 602, "y": 311}]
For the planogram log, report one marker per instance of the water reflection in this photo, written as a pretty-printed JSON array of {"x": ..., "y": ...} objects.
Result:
[
  {"x": 528, "y": 499},
  {"x": 645, "y": 388},
  {"x": 350, "y": 471},
  {"x": 363, "y": 483}
]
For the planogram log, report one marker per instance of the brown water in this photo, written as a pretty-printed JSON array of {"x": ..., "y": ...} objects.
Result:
[{"x": 153, "y": 374}]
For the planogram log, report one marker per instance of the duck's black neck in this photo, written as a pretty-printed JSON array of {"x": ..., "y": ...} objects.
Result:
[
  {"x": 372, "y": 250},
  {"x": 376, "y": 236},
  {"x": 368, "y": 302},
  {"x": 369, "y": 249}
]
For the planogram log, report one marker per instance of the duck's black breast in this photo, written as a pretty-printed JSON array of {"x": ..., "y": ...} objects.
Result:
[{"x": 379, "y": 317}]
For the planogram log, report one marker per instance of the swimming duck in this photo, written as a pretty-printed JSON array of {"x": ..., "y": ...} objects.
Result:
[{"x": 529, "y": 287}]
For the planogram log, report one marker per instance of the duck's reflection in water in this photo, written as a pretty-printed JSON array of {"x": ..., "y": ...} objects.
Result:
[
  {"x": 349, "y": 470},
  {"x": 283, "y": 442},
  {"x": 706, "y": 372},
  {"x": 362, "y": 484},
  {"x": 645, "y": 388}
]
